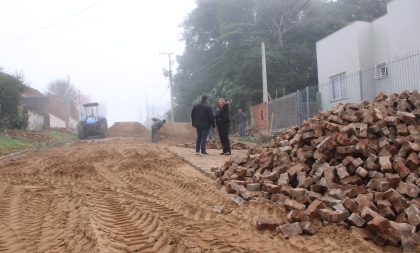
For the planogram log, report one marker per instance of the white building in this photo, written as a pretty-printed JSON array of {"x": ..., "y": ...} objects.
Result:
[{"x": 363, "y": 59}]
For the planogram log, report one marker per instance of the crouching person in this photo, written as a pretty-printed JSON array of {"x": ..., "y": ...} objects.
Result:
[{"x": 157, "y": 124}]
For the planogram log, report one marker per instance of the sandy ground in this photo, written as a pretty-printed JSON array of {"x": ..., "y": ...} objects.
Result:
[{"x": 125, "y": 196}]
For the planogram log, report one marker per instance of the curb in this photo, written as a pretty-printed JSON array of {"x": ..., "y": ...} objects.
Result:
[{"x": 204, "y": 172}]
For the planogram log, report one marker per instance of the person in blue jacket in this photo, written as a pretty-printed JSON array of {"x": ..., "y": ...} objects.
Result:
[{"x": 222, "y": 123}]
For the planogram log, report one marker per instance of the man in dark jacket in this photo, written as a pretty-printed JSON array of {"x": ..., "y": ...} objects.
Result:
[{"x": 202, "y": 119}]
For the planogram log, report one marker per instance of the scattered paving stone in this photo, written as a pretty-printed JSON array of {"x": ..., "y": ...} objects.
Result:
[
  {"x": 218, "y": 209},
  {"x": 268, "y": 223},
  {"x": 288, "y": 230},
  {"x": 238, "y": 200},
  {"x": 356, "y": 220},
  {"x": 308, "y": 227}
]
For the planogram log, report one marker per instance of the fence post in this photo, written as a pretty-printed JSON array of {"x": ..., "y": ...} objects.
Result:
[
  {"x": 307, "y": 103},
  {"x": 298, "y": 107}
]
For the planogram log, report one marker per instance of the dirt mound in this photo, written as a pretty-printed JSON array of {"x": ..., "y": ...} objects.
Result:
[
  {"x": 174, "y": 133},
  {"x": 128, "y": 129}
]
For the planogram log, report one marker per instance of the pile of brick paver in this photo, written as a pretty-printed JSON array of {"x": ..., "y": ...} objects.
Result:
[{"x": 357, "y": 165}]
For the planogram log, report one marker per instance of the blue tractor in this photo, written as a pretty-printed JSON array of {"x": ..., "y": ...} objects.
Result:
[{"x": 91, "y": 124}]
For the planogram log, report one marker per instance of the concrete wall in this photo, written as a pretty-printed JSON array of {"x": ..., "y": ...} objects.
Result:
[
  {"x": 359, "y": 46},
  {"x": 380, "y": 39},
  {"x": 73, "y": 124},
  {"x": 340, "y": 52},
  {"x": 35, "y": 121},
  {"x": 404, "y": 26},
  {"x": 56, "y": 122}
]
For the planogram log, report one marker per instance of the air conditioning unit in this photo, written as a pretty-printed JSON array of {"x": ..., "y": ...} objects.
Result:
[{"x": 381, "y": 71}]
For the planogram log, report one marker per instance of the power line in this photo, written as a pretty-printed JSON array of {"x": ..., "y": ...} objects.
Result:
[
  {"x": 213, "y": 62},
  {"x": 302, "y": 7},
  {"x": 52, "y": 24}
]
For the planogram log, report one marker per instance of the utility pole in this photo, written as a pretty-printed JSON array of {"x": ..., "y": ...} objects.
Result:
[
  {"x": 264, "y": 73},
  {"x": 147, "y": 107},
  {"x": 67, "y": 99},
  {"x": 168, "y": 73}
]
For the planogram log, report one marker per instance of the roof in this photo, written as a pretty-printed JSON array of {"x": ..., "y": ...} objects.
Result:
[
  {"x": 31, "y": 92},
  {"x": 344, "y": 27},
  {"x": 91, "y": 104}
]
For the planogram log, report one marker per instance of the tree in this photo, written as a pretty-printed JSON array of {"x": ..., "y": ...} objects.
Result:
[
  {"x": 223, "y": 39},
  {"x": 64, "y": 90},
  {"x": 66, "y": 93},
  {"x": 11, "y": 87}
]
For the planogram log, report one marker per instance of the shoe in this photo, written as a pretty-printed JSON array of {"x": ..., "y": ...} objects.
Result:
[
  {"x": 206, "y": 154},
  {"x": 227, "y": 153},
  {"x": 197, "y": 153},
  {"x": 222, "y": 153}
]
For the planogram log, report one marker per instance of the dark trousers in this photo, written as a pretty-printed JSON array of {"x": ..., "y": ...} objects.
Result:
[
  {"x": 242, "y": 128},
  {"x": 200, "y": 144},
  {"x": 155, "y": 135},
  {"x": 223, "y": 130}
]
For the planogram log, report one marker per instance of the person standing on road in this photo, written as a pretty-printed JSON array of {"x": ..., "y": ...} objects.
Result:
[
  {"x": 202, "y": 119},
  {"x": 222, "y": 122},
  {"x": 157, "y": 124},
  {"x": 241, "y": 118}
]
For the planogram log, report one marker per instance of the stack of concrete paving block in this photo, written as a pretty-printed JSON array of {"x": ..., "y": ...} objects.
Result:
[{"x": 356, "y": 165}]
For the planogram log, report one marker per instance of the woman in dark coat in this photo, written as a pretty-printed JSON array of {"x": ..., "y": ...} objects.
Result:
[{"x": 222, "y": 122}]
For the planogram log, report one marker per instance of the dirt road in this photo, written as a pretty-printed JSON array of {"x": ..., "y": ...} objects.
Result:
[{"x": 123, "y": 196}]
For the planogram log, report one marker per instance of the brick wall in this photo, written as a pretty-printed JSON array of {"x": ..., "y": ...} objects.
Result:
[{"x": 260, "y": 116}]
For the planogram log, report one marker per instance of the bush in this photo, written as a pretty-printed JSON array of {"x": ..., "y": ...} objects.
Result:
[
  {"x": 19, "y": 122},
  {"x": 10, "y": 90}
]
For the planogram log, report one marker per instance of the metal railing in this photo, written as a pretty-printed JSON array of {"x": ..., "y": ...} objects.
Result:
[
  {"x": 293, "y": 109},
  {"x": 400, "y": 73}
]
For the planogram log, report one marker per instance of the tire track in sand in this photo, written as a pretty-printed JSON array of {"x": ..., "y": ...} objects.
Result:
[
  {"x": 10, "y": 241},
  {"x": 3, "y": 215},
  {"x": 128, "y": 228},
  {"x": 182, "y": 202}
]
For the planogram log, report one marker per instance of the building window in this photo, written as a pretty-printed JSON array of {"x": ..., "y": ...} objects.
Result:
[
  {"x": 261, "y": 115},
  {"x": 338, "y": 86},
  {"x": 381, "y": 70}
]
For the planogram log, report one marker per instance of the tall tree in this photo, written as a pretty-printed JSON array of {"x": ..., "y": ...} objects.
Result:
[
  {"x": 223, "y": 39},
  {"x": 64, "y": 90}
]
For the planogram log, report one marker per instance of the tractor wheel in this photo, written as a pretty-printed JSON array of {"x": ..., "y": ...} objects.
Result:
[
  {"x": 103, "y": 129},
  {"x": 81, "y": 135}
]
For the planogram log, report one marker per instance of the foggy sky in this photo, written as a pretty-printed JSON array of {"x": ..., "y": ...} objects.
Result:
[{"x": 110, "y": 51}]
